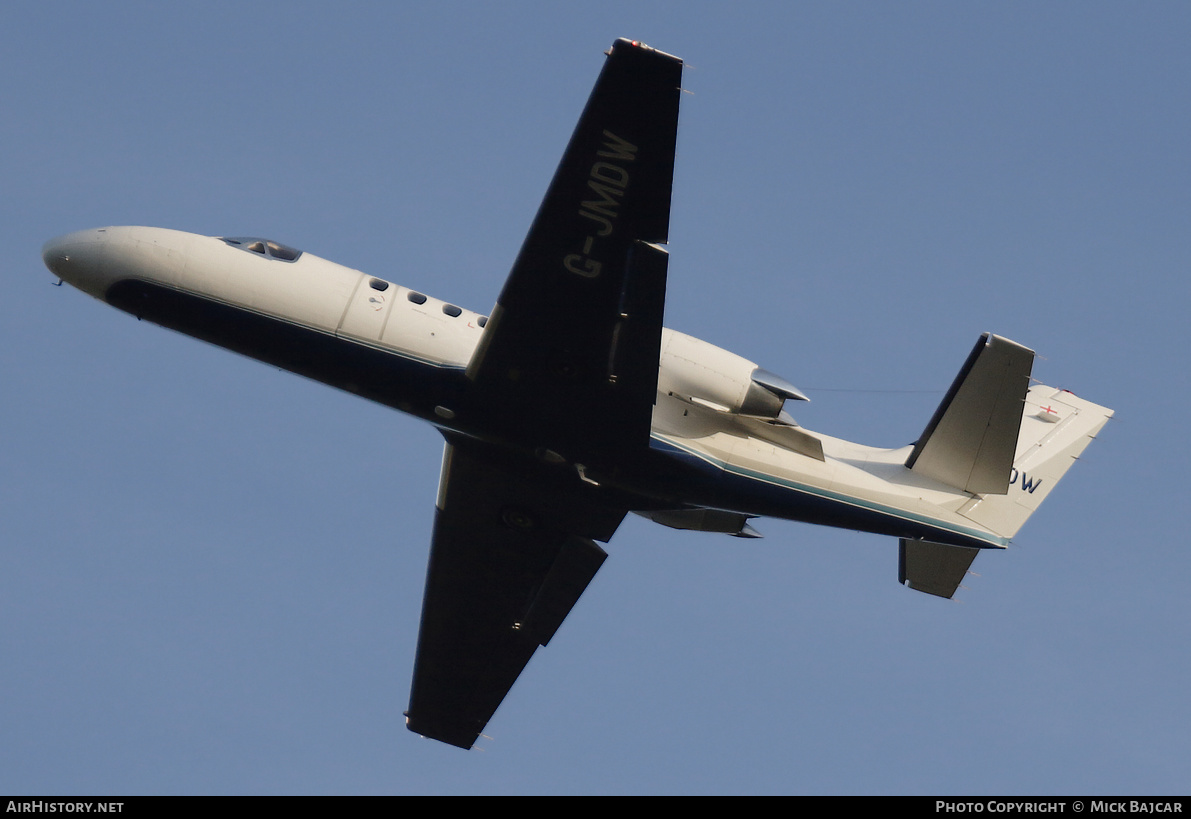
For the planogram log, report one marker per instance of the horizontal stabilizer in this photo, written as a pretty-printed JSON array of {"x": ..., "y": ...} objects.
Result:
[
  {"x": 970, "y": 441},
  {"x": 934, "y": 568}
]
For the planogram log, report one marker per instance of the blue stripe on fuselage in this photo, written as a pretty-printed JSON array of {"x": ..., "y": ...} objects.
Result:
[{"x": 754, "y": 492}]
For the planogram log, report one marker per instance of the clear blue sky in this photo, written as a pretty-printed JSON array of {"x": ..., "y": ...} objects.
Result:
[{"x": 211, "y": 571}]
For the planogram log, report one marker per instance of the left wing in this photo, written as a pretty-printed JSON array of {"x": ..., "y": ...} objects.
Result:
[
  {"x": 569, "y": 359},
  {"x": 513, "y": 550}
]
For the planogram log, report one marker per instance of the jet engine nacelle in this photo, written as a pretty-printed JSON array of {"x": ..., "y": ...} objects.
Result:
[{"x": 710, "y": 375}]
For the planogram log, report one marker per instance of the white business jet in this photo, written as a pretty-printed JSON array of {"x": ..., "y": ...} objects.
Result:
[{"x": 570, "y": 405}]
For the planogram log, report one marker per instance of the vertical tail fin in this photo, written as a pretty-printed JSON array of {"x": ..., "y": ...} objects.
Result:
[
  {"x": 1056, "y": 426},
  {"x": 1001, "y": 441}
]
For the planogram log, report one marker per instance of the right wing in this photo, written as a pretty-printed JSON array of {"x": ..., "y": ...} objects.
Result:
[{"x": 513, "y": 550}]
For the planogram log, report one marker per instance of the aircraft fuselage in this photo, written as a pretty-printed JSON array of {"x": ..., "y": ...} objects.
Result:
[{"x": 410, "y": 351}]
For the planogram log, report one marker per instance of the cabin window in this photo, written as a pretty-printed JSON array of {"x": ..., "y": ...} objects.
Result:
[
  {"x": 451, "y": 310},
  {"x": 416, "y": 298},
  {"x": 482, "y": 321},
  {"x": 378, "y": 284}
]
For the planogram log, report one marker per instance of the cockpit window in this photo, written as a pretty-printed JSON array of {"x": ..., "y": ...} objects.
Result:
[
  {"x": 264, "y": 247},
  {"x": 283, "y": 252}
]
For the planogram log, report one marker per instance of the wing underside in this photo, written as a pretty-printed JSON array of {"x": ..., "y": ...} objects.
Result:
[
  {"x": 572, "y": 347},
  {"x": 565, "y": 377},
  {"x": 513, "y": 550}
]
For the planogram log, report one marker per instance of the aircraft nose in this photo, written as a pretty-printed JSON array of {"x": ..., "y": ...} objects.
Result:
[{"x": 78, "y": 258}]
